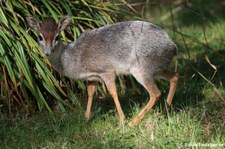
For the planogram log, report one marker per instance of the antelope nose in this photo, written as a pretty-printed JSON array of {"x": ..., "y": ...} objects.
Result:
[{"x": 46, "y": 54}]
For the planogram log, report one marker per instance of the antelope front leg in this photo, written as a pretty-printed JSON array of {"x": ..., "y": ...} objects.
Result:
[
  {"x": 109, "y": 79},
  {"x": 91, "y": 85}
]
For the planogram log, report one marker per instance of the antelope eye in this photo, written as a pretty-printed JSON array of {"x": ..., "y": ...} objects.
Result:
[
  {"x": 40, "y": 38},
  {"x": 57, "y": 38}
]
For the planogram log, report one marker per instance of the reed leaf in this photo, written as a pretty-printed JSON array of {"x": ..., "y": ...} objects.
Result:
[{"x": 26, "y": 75}]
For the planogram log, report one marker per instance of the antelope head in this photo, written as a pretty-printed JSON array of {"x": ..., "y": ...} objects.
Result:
[{"x": 48, "y": 32}]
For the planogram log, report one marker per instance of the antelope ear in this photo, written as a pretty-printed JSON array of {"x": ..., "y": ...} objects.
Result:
[
  {"x": 32, "y": 22},
  {"x": 63, "y": 23}
]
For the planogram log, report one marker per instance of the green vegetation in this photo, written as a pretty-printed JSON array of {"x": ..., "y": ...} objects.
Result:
[
  {"x": 27, "y": 81},
  {"x": 29, "y": 85}
]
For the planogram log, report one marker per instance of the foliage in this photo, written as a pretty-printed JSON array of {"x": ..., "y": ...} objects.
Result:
[
  {"x": 180, "y": 129},
  {"x": 26, "y": 76},
  {"x": 197, "y": 113}
]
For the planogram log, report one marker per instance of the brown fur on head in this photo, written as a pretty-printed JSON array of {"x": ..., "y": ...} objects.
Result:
[{"x": 48, "y": 31}]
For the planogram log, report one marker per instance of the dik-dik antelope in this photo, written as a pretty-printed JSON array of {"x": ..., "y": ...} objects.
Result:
[{"x": 138, "y": 48}]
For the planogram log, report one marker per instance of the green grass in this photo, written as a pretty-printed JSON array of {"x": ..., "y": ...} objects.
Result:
[
  {"x": 197, "y": 115},
  {"x": 193, "y": 118},
  {"x": 194, "y": 124}
]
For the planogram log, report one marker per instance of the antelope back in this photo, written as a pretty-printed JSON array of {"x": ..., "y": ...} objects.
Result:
[{"x": 48, "y": 32}]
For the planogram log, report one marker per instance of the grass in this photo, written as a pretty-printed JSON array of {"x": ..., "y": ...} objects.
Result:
[
  {"x": 190, "y": 125},
  {"x": 195, "y": 120}
]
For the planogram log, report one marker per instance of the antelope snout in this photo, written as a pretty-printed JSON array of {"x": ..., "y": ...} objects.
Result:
[
  {"x": 47, "y": 50},
  {"x": 47, "y": 54}
]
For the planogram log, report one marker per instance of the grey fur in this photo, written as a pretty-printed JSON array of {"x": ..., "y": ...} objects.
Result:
[
  {"x": 133, "y": 47},
  {"x": 119, "y": 47}
]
